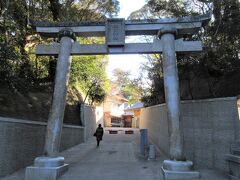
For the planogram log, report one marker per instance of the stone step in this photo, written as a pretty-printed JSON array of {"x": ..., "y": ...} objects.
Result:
[
  {"x": 49, "y": 161},
  {"x": 178, "y": 165},
  {"x": 180, "y": 174}
]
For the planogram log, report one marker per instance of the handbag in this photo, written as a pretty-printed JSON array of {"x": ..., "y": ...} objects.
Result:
[{"x": 94, "y": 134}]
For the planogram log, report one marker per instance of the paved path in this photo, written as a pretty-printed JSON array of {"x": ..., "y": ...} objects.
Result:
[{"x": 117, "y": 158}]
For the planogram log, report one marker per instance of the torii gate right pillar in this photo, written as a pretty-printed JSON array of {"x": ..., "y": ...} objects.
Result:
[
  {"x": 171, "y": 89},
  {"x": 177, "y": 167}
]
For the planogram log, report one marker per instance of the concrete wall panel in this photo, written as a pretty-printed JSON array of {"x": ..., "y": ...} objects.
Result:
[
  {"x": 89, "y": 120},
  {"x": 155, "y": 119}
]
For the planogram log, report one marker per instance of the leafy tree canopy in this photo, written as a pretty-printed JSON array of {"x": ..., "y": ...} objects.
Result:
[
  {"x": 215, "y": 65},
  {"x": 131, "y": 88},
  {"x": 21, "y": 70}
]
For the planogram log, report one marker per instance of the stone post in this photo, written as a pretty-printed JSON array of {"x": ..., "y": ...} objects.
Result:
[
  {"x": 143, "y": 141},
  {"x": 177, "y": 167},
  {"x": 51, "y": 166}
]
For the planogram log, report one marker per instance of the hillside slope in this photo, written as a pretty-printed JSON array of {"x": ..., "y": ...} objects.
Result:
[{"x": 35, "y": 105}]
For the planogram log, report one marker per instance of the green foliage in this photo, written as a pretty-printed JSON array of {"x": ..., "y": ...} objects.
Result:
[
  {"x": 97, "y": 94},
  {"x": 218, "y": 61},
  {"x": 121, "y": 77},
  {"x": 223, "y": 42},
  {"x": 88, "y": 72},
  {"x": 15, "y": 69},
  {"x": 162, "y": 8},
  {"x": 131, "y": 89},
  {"x": 169, "y": 8},
  {"x": 20, "y": 69},
  {"x": 154, "y": 93}
]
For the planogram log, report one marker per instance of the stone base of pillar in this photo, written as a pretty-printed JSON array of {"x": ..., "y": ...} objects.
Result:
[
  {"x": 46, "y": 168},
  {"x": 179, "y": 170}
]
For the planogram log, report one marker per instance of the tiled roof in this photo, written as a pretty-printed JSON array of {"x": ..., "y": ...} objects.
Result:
[{"x": 137, "y": 105}]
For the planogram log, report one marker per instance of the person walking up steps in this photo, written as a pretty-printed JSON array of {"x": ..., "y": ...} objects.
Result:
[{"x": 99, "y": 134}]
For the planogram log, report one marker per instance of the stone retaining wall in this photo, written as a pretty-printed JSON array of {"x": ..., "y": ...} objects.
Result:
[
  {"x": 210, "y": 127},
  {"x": 22, "y": 140}
]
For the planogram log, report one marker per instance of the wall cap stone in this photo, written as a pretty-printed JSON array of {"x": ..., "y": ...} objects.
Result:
[
  {"x": 22, "y": 121},
  {"x": 199, "y": 101},
  {"x": 210, "y": 100}
]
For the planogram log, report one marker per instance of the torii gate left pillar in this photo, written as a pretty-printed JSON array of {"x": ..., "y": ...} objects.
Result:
[{"x": 51, "y": 166}]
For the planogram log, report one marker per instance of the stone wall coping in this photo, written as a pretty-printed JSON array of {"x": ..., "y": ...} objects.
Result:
[
  {"x": 199, "y": 101},
  {"x": 73, "y": 126},
  {"x": 210, "y": 100},
  {"x": 22, "y": 121}
]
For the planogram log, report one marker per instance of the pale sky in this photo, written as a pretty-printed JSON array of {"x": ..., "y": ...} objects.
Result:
[{"x": 126, "y": 62}]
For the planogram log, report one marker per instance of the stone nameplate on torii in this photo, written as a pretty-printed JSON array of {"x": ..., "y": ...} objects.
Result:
[{"x": 115, "y": 32}]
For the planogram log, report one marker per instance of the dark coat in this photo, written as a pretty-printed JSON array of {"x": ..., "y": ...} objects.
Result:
[{"x": 99, "y": 133}]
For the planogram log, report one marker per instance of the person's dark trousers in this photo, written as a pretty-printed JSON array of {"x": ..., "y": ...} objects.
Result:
[{"x": 98, "y": 141}]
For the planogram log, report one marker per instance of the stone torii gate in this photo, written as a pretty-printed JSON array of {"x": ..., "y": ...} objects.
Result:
[{"x": 168, "y": 41}]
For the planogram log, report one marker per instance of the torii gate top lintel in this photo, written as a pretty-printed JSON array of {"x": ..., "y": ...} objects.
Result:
[
  {"x": 115, "y": 31},
  {"x": 132, "y": 27}
]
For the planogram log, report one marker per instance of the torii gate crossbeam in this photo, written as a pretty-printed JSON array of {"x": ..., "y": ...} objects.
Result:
[{"x": 129, "y": 48}]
